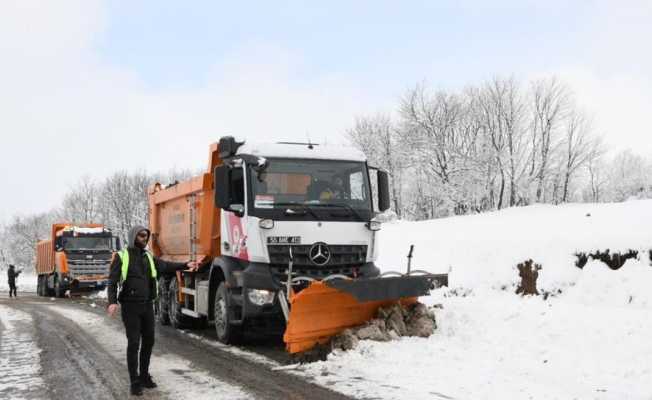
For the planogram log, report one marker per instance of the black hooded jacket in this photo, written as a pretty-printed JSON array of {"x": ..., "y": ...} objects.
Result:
[
  {"x": 139, "y": 286},
  {"x": 12, "y": 274}
]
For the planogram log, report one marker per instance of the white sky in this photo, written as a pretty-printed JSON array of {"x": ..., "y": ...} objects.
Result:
[{"x": 80, "y": 97}]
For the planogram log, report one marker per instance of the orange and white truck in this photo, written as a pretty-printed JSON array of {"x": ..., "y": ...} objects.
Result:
[
  {"x": 76, "y": 257},
  {"x": 287, "y": 236}
]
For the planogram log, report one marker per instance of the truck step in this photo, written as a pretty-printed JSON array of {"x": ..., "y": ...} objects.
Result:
[
  {"x": 237, "y": 299},
  {"x": 191, "y": 292},
  {"x": 189, "y": 312}
]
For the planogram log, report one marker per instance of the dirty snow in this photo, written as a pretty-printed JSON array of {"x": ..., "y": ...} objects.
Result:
[
  {"x": 19, "y": 356},
  {"x": 592, "y": 341},
  {"x": 176, "y": 377}
]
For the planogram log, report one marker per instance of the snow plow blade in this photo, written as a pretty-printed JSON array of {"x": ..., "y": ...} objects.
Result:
[{"x": 326, "y": 308}]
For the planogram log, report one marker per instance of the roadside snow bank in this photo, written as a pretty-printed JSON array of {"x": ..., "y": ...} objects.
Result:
[
  {"x": 483, "y": 250},
  {"x": 494, "y": 345},
  {"x": 601, "y": 286},
  {"x": 591, "y": 341}
]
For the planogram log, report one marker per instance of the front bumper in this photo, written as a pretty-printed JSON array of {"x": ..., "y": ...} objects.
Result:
[{"x": 260, "y": 276}]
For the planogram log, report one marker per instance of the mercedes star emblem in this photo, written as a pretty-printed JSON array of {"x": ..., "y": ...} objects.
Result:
[{"x": 319, "y": 254}]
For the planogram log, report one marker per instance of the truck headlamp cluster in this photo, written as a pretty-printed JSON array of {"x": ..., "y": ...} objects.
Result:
[
  {"x": 260, "y": 297},
  {"x": 266, "y": 223},
  {"x": 374, "y": 225}
]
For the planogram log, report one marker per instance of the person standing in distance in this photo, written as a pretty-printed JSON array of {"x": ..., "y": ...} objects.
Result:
[
  {"x": 137, "y": 272},
  {"x": 12, "y": 274}
]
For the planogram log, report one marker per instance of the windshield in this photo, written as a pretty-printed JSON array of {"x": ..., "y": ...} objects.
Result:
[
  {"x": 87, "y": 243},
  {"x": 318, "y": 183}
]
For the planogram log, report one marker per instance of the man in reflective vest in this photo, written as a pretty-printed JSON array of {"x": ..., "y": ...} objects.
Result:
[{"x": 135, "y": 270}]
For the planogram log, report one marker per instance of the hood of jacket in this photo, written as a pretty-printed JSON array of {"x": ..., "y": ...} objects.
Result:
[{"x": 133, "y": 232}]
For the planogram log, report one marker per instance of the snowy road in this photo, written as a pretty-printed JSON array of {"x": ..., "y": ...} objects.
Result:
[{"x": 62, "y": 349}]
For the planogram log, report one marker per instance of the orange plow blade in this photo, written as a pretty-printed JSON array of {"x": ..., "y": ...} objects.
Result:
[{"x": 326, "y": 308}]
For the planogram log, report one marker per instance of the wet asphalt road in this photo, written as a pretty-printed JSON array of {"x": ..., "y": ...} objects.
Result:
[{"x": 74, "y": 365}]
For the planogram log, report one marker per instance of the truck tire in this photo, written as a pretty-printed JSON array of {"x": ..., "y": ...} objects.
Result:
[
  {"x": 226, "y": 332},
  {"x": 163, "y": 303},
  {"x": 58, "y": 290},
  {"x": 177, "y": 318},
  {"x": 39, "y": 285}
]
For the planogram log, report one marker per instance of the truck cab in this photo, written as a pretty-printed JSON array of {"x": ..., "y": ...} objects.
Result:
[{"x": 77, "y": 258}]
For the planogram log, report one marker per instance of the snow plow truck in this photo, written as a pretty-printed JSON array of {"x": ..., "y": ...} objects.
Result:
[
  {"x": 76, "y": 257},
  {"x": 287, "y": 240}
]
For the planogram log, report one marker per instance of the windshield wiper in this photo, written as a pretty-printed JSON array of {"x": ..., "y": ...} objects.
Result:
[
  {"x": 344, "y": 206},
  {"x": 304, "y": 207}
]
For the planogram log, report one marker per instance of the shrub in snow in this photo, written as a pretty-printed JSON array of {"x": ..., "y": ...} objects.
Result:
[
  {"x": 613, "y": 260},
  {"x": 529, "y": 272}
]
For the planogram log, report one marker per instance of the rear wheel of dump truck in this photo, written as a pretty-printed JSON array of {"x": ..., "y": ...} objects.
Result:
[
  {"x": 39, "y": 286},
  {"x": 224, "y": 328},
  {"x": 177, "y": 318},
  {"x": 58, "y": 289},
  {"x": 163, "y": 303}
]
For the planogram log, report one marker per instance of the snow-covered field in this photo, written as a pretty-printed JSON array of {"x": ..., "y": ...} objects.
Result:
[
  {"x": 26, "y": 282},
  {"x": 592, "y": 341}
]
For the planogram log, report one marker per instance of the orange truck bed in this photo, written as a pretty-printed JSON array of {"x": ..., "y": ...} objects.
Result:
[{"x": 183, "y": 219}]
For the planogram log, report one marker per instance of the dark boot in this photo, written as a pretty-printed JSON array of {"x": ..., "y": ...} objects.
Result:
[
  {"x": 147, "y": 382},
  {"x": 136, "y": 389}
]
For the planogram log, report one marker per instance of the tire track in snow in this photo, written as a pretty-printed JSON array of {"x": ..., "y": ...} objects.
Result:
[
  {"x": 20, "y": 365},
  {"x": 176, "y": 377}
]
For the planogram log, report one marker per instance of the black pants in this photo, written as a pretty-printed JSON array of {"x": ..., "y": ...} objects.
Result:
[
  {"x": 12, "y": 289},
  {"x": 139, "y": 325}
]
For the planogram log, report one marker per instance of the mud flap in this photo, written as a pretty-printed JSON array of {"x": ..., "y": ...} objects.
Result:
[{"x": 326, "y": 308}]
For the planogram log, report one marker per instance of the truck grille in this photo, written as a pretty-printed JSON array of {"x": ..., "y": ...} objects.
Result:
[
  {"x": 344, "y": 259},
  {"x": 88, "y": 267}
]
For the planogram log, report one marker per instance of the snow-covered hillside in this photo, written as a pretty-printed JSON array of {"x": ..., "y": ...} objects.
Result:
[
  {"x": 483, "y": 250},
  {"x": 592, "y": 341}
]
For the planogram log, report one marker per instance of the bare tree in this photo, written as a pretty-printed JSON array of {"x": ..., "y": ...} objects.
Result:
[
  {"x": 550, "y": 100},
  {"x": 578, "y": 145},
  {"x": 81, "y": 204},
  {"x": 377, "y": 138},
  {"x": 595, "y": 168}
]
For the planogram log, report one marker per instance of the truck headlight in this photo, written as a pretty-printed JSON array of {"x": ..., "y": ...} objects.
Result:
[
  {"x": 260, "y": 297},
  {"x": 374, "y": 225},
  {"x": 266, "y": 223}
]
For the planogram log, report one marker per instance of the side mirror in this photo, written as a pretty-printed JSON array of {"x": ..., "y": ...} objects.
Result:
[
  {"x": 383, "y": 191},
  {"x": 222, "y": 185}
]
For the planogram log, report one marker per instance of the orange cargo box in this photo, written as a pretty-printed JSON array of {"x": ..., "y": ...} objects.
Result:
[{"x": 182, "y": 217}]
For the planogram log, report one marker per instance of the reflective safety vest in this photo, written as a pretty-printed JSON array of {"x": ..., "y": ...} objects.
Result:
[{"x": 124, "y": 259}]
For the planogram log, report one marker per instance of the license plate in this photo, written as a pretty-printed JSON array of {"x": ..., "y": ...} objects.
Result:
[{"x": 283, "y": 240}]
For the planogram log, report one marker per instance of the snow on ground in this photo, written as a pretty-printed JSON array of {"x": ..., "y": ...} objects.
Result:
[
  {"x": 590, "y": 342},
  {"x": 174, "y": 375},
  {"x": 26, "y": 282},
  {"x": 19, "y": 356},
  {"x": 483, "y": 249}
]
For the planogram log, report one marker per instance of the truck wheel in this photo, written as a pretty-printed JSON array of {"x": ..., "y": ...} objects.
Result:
[
  {"x": 58, "y": 290},
  {"x": 39, "y": 285},
  {"x": 163, "y": 303},
  {"x": 177, "y": 318},
  {"x": 225, "y": 330}
]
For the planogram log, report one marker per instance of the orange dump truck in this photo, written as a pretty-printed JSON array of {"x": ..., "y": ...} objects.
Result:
[
  {"x": 287, "y": 240},
  {"x": 74, "y": 258}
]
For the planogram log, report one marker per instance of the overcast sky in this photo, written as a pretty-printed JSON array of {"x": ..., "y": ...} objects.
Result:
[{"x": 88, "y": 87}]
